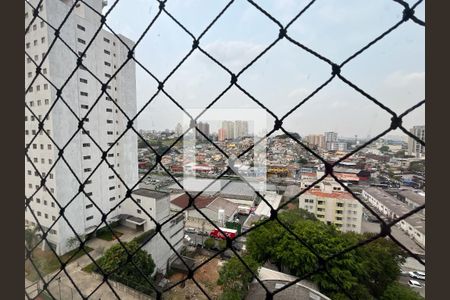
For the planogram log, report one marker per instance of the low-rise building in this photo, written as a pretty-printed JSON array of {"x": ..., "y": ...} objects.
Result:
[{"x": 393, "y": 208}]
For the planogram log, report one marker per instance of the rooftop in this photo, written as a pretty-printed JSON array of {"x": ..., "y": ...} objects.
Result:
[
  {"x": 182, "y": 201},
  {"x": 397, "y": 207},
  {"x": 150, "y": 193},
  {"x": 220, "y": 203},
  {"x": 413, "y": 196}
]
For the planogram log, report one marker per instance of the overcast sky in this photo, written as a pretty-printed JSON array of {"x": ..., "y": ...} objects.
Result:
[{"x": 392, "y": 70}]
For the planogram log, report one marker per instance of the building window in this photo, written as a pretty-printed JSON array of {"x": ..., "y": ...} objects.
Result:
[
  {"x": 339, "y": 204},
  {"x": 82, "y": 80},
  {"x": 53, "y": 204},
  {"x": 107, "y": 64},
  {"x": 109, "y": 121},
  {"x": 46, "y": 216},
  {"x": 42, "y": 40},
  {"x": 81, "y": 41},
  {"x": 86, "y": 145},
  {"x": 83, "y": 93},
  {"x": 84, "y": 106},
  {"x": 42, "y": 24},
  {"x": 89, "y": 205},
  {"x": 45, "y": 86},
  {"x": 139, "y": 211},
  {"x": 35, "y": 43},
  {"x": 111, "y": 177},
  {"x": 89, "y": 218},
  {"x": 112, "y": 198},
  {"x": 27, "y": 45},
  {"x": 86, "y": 157},
  {"x": 46, "y": 101},
  {"x": 107, "y": 52},
  {"x": 87, "y": 169},
  {"x": 34, "y": 27},
  {"x": 81, "y": 27},
  {"x": 53, "y": 218},
  {"x": 112, "y": 188},
  {"x": 109, "y": 110},
  {"x": 39, "y": 213}
]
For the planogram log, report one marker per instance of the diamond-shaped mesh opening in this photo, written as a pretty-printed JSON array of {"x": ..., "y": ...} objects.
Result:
[{"x": 92, "y": 218}]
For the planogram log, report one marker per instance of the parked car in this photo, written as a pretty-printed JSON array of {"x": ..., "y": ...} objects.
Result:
[
  {"x": 414, "y": 283},
  {"x": 416, "y": 275},
  {"x": 190, "y": 230}
]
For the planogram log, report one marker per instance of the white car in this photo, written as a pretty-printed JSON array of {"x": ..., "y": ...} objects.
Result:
[
  {"x": 190, "y": 230},
  {"x": 417, "y": 275},
  {"x": 414, "y": 283},
  {"x": 188, "y": 238}
]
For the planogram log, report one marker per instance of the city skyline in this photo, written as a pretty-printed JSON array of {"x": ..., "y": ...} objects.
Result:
[{"x": 286, "y": 74}]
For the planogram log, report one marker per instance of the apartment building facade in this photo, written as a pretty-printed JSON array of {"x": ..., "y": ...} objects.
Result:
[
  {"x": 331, "y": 204},
  {"x": 415, "y": 148},
  {"x": 104, "y": 123}
]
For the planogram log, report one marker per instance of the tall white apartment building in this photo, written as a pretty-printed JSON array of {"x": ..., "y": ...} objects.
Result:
[
  {"x": 331, "y": 204},
  {"x": 415, "y": 148},
  {"x": 105, "y": 123}
]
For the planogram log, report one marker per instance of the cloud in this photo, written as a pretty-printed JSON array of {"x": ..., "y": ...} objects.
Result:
[
  {"x": 299, "y": 93},
  {"x": 234, "y": 54},
  {"x": 403, "y": 79}
]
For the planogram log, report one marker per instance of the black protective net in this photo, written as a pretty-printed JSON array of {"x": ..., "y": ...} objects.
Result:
[{"x": 337, "y": 73}]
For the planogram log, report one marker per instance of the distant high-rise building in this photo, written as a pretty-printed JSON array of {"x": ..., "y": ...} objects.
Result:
[
  {"x": 330, "y": 136},
  {"x": 178, "y": 129},
  {"x": 228, "y": 126},
  {"x": 240, "y": 129},
  {"x": 221, "y": 135},
  {"x": 415, "y": 148},
  {"x": 204, "y": 128},
  {"x": 331, "y": 140},
  {"x": 316, "y": 140}
]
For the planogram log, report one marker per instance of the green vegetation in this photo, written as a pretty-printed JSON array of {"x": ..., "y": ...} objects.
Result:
[
  {"x": 368, "y": 272},
  {"x": 222, "y": 244},
  {"x": 398, "y": 291},
  {"x": 47, "y": 262},
  {"x": 107, "y": 235},
  {"x": 144, "y": 236},
  {"x": 235, "y": 277},
  {"x": 209, "y": 243},
  {"x": 384, "y": 149},
  {"x": 115, "y": 260},
  {"x": 417, "y": 166}
]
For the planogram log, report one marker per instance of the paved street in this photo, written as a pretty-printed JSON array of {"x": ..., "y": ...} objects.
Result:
[
  {"x": 62, "y": 288},
  {"x": 405, "y": 278}
]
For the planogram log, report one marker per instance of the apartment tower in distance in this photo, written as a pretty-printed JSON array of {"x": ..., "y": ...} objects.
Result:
[
  {"x": 415, "y": 148},
  {"x": 105, "y": 122}
]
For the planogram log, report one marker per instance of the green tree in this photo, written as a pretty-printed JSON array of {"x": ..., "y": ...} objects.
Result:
[
  {"x": 235, "y": 277},
  {"x": 397, "y": 291},
  {"x": 364, "y": 272},
  {"x": 116, "y": 257},
  {"x": 384, "y": 149},
  {"x": 417, "y": 166},
  {"x": 209, "y": 243},
  {"x": 222, "y": 244}
]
